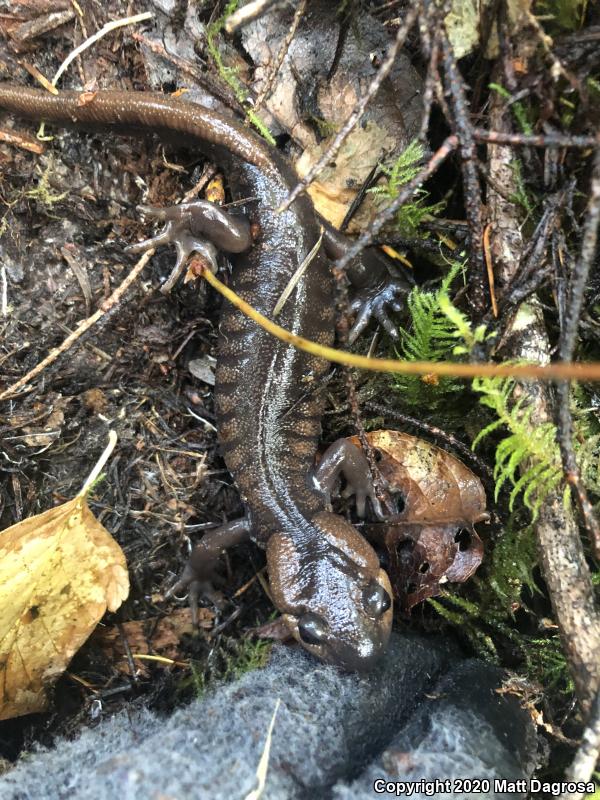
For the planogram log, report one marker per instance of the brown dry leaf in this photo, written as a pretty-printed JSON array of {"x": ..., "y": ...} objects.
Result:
[
  {"x": 432, "y": 540},
  {"x": 422, "y": 557},
  {"x": 59, "y": 572},
  {"x": 436, "y": 486},
  {"x": 50, "y": 432},
  {"x": 161, "y": 637},
  {"x": 328, "y": 67}
]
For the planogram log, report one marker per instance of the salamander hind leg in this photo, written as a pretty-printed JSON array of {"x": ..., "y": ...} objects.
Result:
[
  {"x": 342, "y": 458},
  {"x": 199, "y": 575},
  {"x": 197, "y": 227}
]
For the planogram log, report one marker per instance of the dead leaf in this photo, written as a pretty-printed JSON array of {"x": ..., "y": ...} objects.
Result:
[
  {"x": 436, "y": 486},
  {"x": 50, "y": 432},
  {"x": 326, "y": 71},
  {"x": 59, "y": 572},
  {"x": 43, "y": 422},
  {"x": 432, "y": 540},
  {"x": 423, "y": 557},
  {"x": 467, "y": 19},
  {"x": 152, "y": 636},
  {"x": 338, "y": 184}
]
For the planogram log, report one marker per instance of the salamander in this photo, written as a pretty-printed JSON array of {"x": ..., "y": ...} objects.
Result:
[{"x": 325, "y": 578}]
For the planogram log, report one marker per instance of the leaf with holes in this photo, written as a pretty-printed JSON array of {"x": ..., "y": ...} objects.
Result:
[{"x": 432, "y": 540}]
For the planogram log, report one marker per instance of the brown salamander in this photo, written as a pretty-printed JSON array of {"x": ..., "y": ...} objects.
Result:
[{"x": 326, "y": 579}]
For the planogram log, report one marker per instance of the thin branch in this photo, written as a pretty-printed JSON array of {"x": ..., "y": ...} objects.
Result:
[
  {"x": 110, "y": 26},
  {"x": 471, "y": 186},
  {"x": 247, "y": 14},
  {"x": 533, "y": 140},
  {"x": 546, "y": 372},
  {"x": 432, "y": 430},
  {"x": 587, "y": 755},
  {"x": 562, "y": 558},
  {"x": 276, "y": 65},
  {"x": 568, "y": 339},
  {"x": 588, "y": 251},
  {"x": 408, "y": 190}
]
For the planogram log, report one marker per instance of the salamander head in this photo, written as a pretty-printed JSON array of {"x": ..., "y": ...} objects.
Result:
[{"x": 333, "y": 595}]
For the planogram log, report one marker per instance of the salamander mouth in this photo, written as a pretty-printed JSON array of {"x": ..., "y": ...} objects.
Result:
[{"x": 359, "y": 654}]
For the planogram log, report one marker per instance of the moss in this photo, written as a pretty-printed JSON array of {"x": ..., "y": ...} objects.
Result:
[
  {"x": 43, "y": 193},
  {"x": 547, "y": 664},
  {"x": 562, "y": 15},
  {"x": 232, "y": 659},
  {"x": 230, "y": 74},
  {"x": 512, "y": 564}
]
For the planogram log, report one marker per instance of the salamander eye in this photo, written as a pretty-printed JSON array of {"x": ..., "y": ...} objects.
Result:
[
  {"x": 312, "y": 629},
  {"x": 376, "y": 600}
]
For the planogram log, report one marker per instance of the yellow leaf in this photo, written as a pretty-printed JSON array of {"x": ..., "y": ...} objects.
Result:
[{"x": 59, "y": 572}]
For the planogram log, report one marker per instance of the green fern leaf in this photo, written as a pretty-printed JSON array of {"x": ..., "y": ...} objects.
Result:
[{"x": 428, "y": 337}]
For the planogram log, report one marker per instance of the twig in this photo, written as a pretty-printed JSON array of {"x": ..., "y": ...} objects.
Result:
[
  {"x": 535, "y": 140},
  {"x": 100, "y": 464},
  {"x": 545, "y": 372},
  {"x": 429, "y": 22},
  {"x": 22, "y": 140},
  {"x": 3, "y": 291},
  {"x": 293, "y": 281},
  {"x": 110, "y": 26},
  {"x": 490, "y": 268},
  {"x": 246, "y": 14},
  {"x": 432, "y": 430},
  {"x": 582, "y": 270},
  {"x": 359, "y": 109},
  {"x": 564, "y": 419},
  {"x": 441, "y": 154},
  {"x": 471, "y": 186},
  {"x": 562, "y": 559},
  {"x": 276, "y": 65},
  {"x": 104, "y": 309}
]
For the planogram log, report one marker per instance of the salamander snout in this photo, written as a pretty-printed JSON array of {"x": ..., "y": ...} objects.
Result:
[{"x": 334, "y": 596}]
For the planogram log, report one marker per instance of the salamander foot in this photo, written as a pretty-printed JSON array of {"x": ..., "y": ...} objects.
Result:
[
  {"x": 342, "y": 458},
  {"x": 199, "y": 575}
]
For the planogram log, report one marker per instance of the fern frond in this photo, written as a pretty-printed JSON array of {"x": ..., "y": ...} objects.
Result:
[
  {"x": 430, "y": 336},
  {"x": 497, "y": 423},
  {"x": 403, "y": 170},
  {"x": 529, "y": 448}
]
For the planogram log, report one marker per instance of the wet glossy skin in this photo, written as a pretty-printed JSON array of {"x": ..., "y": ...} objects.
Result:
[{"x": 326, "y": 580}]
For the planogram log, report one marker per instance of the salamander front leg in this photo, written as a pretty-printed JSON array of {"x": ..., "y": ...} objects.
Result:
[
  {"x": 342, "y": 458},
  {"x": 380, "y": 285},
  {"x": 197, "y": 227},
  {"x": 199, "y": 576}
]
